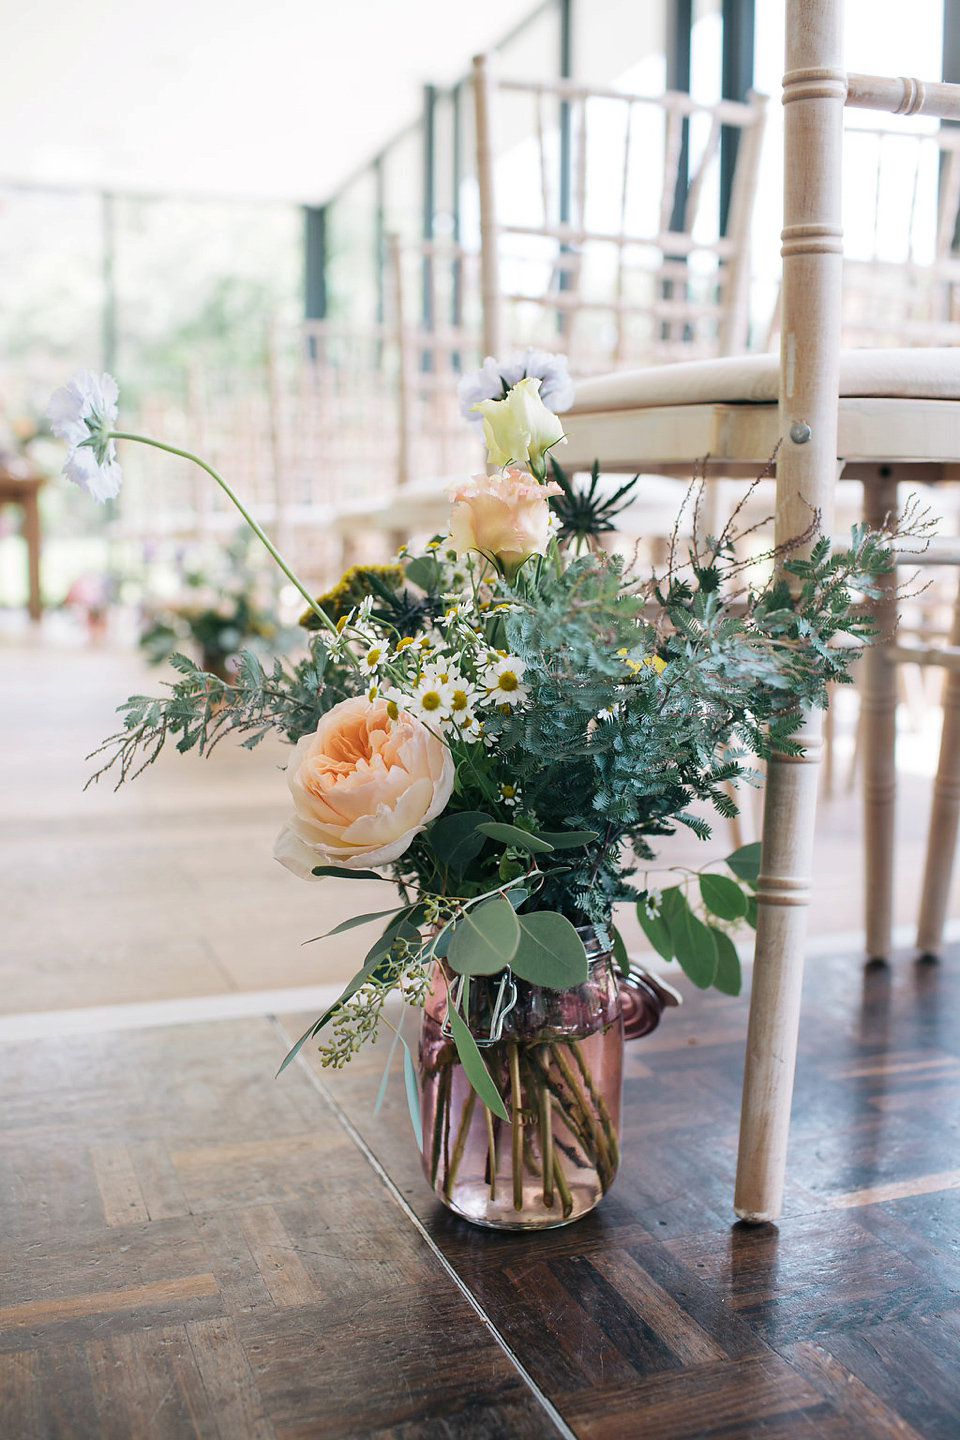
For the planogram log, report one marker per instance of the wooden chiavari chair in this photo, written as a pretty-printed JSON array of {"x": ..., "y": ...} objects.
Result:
[{"x": 888, "y": 416}]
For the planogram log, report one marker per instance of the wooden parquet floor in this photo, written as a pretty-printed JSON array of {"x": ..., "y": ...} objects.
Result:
[{"x": 192, "y": 1249}]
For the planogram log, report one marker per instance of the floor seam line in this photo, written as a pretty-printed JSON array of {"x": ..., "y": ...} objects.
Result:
[{"x": 393, "y": 1190}]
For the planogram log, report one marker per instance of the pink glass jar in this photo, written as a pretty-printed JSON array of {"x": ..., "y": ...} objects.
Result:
[{"x": 558, "y": 1065}]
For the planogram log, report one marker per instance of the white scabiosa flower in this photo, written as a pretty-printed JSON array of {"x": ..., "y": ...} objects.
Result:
[
  {"x": 494, "y": 379},
  {"x": 83, "y": 412}
]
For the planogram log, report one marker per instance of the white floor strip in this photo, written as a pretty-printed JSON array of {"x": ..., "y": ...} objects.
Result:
[{"x": 47, "y": 1024}]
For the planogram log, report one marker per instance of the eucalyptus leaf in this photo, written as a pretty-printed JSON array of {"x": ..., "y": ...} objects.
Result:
[
  {"x": 728, "y": 977},
  {"x": 516, "y": 895},
  {"x": 342, "y": 873},
  {"x": 550, "y": 951},
  {"x": 386, "y": 1072},
  {"x": 567, "y": 839},
  {"x": 473, "y": 1066},
  {"x": 745, "y": 863},
  {"x": 422, "y": 573},
  {"x": 723, "y": 897},
  {"x": 656, "y": 931},
  {"x": 458, "y": 839},
  {"x": 352, "y": 924},
  {"x": 513, "y": 835},
  {"x": 485, "y": 939},
  {"x": 413, "y": 1092},
  {"x": 619, "y": 951},
  {"x": 693, "y": 943}
]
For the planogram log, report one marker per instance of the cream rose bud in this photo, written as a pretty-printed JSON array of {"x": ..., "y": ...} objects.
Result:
[
  {"x": 505, "y": 517},
  {"x": 520, "y": 428},
  {"x": 363, "y": 786}
]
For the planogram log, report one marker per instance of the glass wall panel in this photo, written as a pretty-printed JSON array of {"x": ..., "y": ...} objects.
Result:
[{"x": 352, "y": 251}]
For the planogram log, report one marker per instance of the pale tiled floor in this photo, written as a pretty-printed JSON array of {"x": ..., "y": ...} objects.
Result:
[{"x": 168, "y": 889}]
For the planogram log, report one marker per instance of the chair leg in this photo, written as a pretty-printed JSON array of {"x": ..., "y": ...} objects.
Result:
[
  {"x": 31, "y": 534},
  {"x": 944, "y": 815},
  {"x": 878, "y": 702},
  {"x": 783, "y": 894}
]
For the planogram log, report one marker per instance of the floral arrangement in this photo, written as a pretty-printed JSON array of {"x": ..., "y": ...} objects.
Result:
[
  {"x": 504, "y": 725},
  {"x": 223, "y": 606}
]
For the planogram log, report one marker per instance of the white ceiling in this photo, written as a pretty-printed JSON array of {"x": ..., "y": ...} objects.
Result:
[{"x": 269, "y": 98}]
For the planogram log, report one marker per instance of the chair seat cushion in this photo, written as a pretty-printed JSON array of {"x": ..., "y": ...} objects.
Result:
[{"x": 923, "y": 374}]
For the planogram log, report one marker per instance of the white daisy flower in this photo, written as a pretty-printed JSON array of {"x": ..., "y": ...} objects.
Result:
[
  {"x": 373, "y": 659},
  {"x": 459, "y": 610},
  {"x": 652, "y": 903},
  {"x": 503, "y": 680},
  {"x": 470, "y": 727},
  {"x": 430, "y": 701},
  {"x": 463, "y": 697},
  {"x": 509, "y": 794},
  {"x": 83, "y": 412}
]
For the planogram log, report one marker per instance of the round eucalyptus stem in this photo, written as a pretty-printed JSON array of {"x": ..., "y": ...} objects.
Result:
[{"x": 257, "y": 530}]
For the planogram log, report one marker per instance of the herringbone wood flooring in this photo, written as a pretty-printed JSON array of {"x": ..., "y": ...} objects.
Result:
[{"x": 195, "y": 1249}]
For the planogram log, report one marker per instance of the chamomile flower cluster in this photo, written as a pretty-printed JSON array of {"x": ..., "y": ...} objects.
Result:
[{"x": 449, "y": 676}]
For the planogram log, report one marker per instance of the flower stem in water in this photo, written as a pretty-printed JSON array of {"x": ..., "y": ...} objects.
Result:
[
  {"x": 443, "y": 1091},
  {"x": 600, "y": 1106},
  {"x": 516, "y": 1126},
  {"x": 459, "y": 1144},
  {"x": 491, "y": 1152},
  {"x": 546, "y": 1144}
]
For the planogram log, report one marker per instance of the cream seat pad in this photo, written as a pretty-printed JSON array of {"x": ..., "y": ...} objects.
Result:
[{"x": 927, "y": 374}]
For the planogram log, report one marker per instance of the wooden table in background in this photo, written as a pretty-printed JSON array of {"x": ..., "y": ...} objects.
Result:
[{"x": 23, "y": 490}]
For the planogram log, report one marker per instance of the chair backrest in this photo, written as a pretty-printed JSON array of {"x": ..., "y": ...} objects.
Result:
[
  {"x": 901, "y": 281},
  {"x": 901, "y": 209},
  {"x": 599, "y": 221}
]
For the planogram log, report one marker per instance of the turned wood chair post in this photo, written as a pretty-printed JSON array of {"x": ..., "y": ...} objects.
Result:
[
  {"x": 944, "y": 813},
  {"x": 814, "y": 91},
  {"x": 491, "y": 300},
  {"x": 878, "y": 736}
]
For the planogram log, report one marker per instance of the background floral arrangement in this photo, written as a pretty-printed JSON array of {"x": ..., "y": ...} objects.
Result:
[
  {"x": 224, "y": 605},
  {"x": 503, "y": 724}
]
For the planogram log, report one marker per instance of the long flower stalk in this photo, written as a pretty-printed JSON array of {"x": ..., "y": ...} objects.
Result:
[{"x": 230, "y": 493}]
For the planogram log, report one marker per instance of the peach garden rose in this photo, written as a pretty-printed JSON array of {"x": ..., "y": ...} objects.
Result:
[
  {"x": 505, "y": 517},
  {"x": 363, "y": 786}
]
